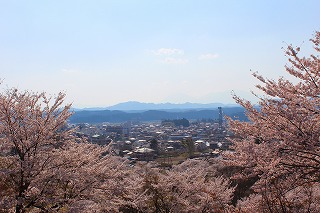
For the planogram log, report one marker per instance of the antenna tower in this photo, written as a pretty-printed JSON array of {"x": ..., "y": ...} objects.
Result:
[{"x": 220, "y": 117}]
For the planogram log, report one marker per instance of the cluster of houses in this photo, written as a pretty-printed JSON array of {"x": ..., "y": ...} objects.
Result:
[{"x": 147, "y": 141}]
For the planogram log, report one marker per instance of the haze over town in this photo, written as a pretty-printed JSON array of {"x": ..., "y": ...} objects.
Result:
[{"x": 105, "y": 52}]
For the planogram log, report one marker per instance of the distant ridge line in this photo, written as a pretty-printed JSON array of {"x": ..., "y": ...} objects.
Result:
[
  {"x": 135, "y": 105},
  {"x": 116, "y": 116}
]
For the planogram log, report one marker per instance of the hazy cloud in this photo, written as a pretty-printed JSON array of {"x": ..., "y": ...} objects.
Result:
[
  {"x": 208, "y": 56},
  {"x": 175, "y": 61},
  {"x": 168, "y": 51},
  {"x": 70, "y": 71}
]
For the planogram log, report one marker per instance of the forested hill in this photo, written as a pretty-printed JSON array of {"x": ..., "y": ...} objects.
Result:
[{"x": 99, "y": 116}]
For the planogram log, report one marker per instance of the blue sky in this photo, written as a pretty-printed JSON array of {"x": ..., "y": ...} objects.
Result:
[{"x": 105, "y": 52}]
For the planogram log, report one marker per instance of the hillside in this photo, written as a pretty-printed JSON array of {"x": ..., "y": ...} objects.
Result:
[{"x": 99, "y": 116}]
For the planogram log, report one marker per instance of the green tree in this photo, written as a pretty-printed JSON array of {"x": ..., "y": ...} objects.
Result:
[
  {"x": 154, "y": 145},
  {"x": 189, "y": 145}
]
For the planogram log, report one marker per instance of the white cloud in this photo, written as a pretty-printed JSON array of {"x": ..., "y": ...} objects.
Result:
[
  {"x": 168, "y": 51},
  {"x": 170, "y": 55},
  {"x": 208, "y": 56},
  {"x": 175, "y": 61}
]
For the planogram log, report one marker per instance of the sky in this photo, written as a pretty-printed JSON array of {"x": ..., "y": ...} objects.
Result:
[{"x": 101, "y": 53}]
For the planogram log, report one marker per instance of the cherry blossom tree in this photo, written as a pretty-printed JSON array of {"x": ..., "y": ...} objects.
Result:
[
  {"x": 43, "y": 166},
  {"x": 192, "y": 186},
  {"x": 279, "y": 147}
]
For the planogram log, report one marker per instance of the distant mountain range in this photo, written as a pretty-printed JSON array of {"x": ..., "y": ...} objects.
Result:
[
  {"x": 139, "y": 106},
  {"x": 136, "y": 111}
]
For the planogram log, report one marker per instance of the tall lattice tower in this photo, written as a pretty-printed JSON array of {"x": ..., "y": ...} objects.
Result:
[{"x": 220, "y": 117}]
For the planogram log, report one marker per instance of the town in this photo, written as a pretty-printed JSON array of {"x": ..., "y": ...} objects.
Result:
[{"x": 167, "y": 142}]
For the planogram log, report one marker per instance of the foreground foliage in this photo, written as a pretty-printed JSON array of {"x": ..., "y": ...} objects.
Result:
[
  {"x": 43, "y": 166},
  {"x": 280, "y": 146}
]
